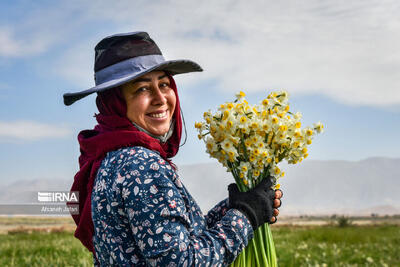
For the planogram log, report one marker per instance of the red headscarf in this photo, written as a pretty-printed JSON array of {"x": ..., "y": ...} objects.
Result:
[{"x": 114, "y": 131}]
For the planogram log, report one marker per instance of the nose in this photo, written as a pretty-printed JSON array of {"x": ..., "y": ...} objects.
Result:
[{"x": 158, "y": 97}]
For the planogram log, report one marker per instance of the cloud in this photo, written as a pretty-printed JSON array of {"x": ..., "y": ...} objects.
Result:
[
  {"x": 40, "y": 29},
  {"x": 347, "y": 50},
  {"x": 13, "y": 47},
  {"x": 30, "y": 131},
  {"x": 8, "y": 46}
]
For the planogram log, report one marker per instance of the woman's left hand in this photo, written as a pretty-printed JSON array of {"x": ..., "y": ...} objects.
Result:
[{"x": 277, "y": 204}]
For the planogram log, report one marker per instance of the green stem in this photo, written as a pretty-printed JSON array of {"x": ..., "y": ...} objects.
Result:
[
  {"x": 256, "y": 254},
  {"x": 262, "y": 246}
]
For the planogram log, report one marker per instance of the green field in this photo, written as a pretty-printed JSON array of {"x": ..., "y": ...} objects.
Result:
[{"x": 328, "y": 245}]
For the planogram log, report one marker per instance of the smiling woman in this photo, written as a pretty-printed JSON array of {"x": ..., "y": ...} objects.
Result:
[
  {"x": 134, "y": 210},
  {"x": 150, "y": 102}
]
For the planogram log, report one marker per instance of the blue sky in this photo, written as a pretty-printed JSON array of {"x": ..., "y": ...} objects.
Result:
[{"x": 339, "y": 61}]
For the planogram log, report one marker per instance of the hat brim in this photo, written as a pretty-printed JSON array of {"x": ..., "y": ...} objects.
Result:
[{"x": 171, "y": 66}]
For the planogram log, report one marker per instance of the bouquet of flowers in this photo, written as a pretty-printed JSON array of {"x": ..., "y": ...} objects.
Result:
[{"x": 250, "y": 141}]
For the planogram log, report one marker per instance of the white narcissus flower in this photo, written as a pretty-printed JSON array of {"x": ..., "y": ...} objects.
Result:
[
  {"x": 227, "y": 145},
  {"x": 297, "y": 116},
  {"x": 235, "y": 140},
  {"x": 319, "y": 127},
  {"x": 232, "y": 154},
  {"x": 244, "y": 167},
  {"x": 240, "y": 95},
  {"x": 211, "y": 145}
]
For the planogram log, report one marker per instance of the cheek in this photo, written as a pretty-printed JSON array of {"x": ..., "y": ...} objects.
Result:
[
  {"x": 136, "y": 109},
  {"x": 172, "y": 100}
]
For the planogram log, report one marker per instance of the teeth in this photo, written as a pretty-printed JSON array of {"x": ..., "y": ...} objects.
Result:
[{"x": 159, "y": 115}]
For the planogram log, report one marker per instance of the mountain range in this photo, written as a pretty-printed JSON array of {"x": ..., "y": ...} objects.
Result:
[{"x": 313, "y": 187}]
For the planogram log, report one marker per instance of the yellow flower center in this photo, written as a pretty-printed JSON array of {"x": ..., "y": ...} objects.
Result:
[
  {"x": 255, "y": 111},
  {"x": 254, "y": 125},
  {"x": 226, "y": 115},
  {"x": 264, "y": 114},
  {"x": 283, "y": 128},
  {"x": 234, "y": 141},
  {"x": 247, "y": 143}
]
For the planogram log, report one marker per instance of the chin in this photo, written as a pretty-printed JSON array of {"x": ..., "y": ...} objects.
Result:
[{"x": 159, "y": 131}]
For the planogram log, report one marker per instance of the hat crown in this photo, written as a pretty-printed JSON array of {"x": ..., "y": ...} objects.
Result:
[
  {"x": 117, "y": 48},
  {"x": 124, "y": 57}
]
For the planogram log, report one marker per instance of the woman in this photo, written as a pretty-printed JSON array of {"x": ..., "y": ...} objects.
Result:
[{"x": 134, "y": 209}]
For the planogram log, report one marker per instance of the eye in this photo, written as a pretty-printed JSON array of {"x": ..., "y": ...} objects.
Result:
[
  {"x": 164, "y": 85},
  {"x": 141, "y": 89}
]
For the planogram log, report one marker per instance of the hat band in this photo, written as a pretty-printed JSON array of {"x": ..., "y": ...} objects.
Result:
[{"x": 127, "y": 67}]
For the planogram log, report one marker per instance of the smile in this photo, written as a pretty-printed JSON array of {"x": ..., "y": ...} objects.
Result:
[{"x": 158, "y": 115}]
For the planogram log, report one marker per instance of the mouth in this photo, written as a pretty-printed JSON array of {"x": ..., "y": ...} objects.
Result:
[{"x": 158, "y": 114}]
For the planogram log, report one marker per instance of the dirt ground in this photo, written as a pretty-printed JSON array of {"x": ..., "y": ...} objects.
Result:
[{"x": 10, "y": 224}]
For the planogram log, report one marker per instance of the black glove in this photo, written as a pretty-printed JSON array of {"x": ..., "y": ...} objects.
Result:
[{"x": 256, "y": 204}]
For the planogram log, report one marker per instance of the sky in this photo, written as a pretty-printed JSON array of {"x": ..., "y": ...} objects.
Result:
[{"x": 339, "y": 61}]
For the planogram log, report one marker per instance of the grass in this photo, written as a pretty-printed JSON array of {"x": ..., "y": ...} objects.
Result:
[
  {"x": 329, "y": 245},
  {"x": 338, "y": 246},
  {"x": 42, "y": 249}
]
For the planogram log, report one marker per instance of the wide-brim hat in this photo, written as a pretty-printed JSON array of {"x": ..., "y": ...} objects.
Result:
[{"x": 121, "y": 58}]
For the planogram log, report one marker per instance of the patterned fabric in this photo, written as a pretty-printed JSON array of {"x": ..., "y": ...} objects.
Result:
[{"x": 144, "y": 216}]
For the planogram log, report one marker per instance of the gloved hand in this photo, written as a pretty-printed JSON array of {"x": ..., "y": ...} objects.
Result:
[{"x": 257, "y": 203}]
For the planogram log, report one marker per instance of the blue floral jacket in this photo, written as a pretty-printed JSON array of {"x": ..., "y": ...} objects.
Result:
[{"x": 144, "y": 216}]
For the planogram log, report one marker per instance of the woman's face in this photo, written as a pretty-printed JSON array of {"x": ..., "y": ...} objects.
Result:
[{"x": 150, "y": 102}]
